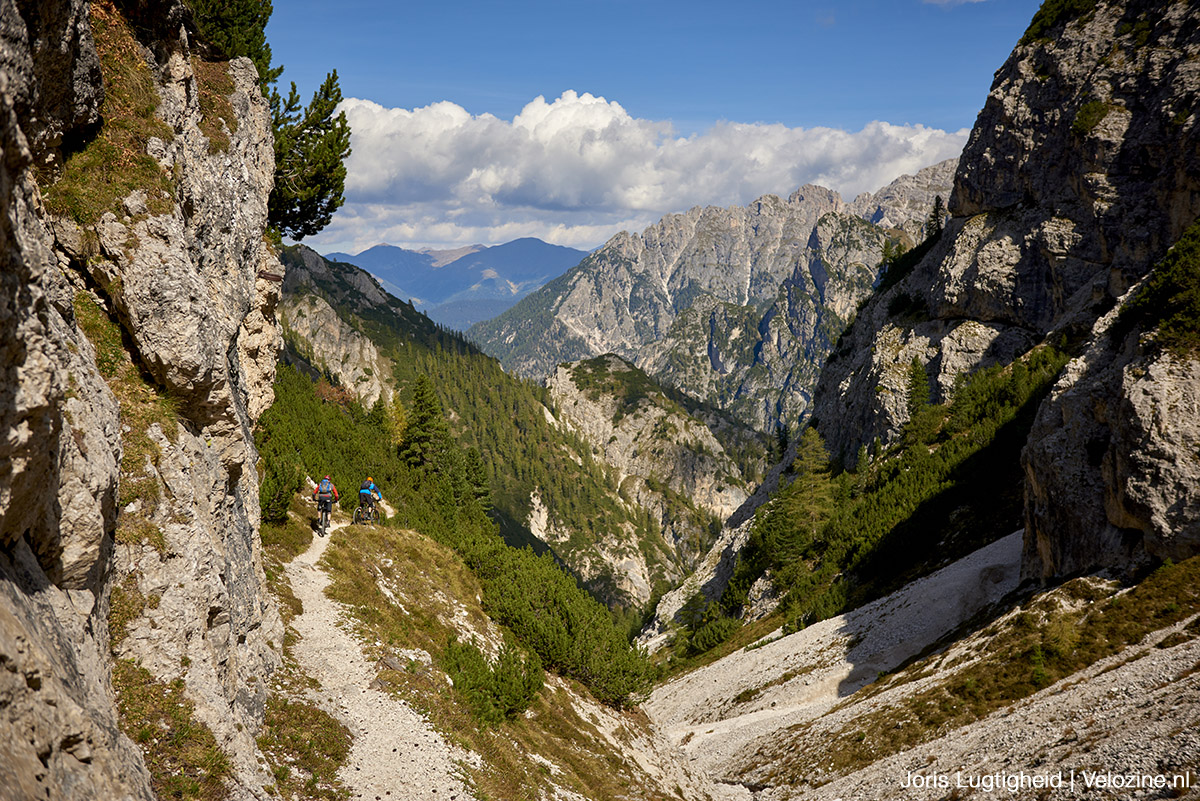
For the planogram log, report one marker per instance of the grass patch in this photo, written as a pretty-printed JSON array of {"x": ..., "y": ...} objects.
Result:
[
  {"x": 134, "y": 529},
  {"x": 126, "y": 605},
  {"x": 305, "y": 747},
  {"x": 1169, "y": 300},
  {"x": 1038, "y": 645},
  {"x": 103, "y": 333},
  {"x": 114, "y": 163},
  {"x": 424, "y": 577},
  {"x": 217, "y": 120},
  {"x": 181, "y": 753}
]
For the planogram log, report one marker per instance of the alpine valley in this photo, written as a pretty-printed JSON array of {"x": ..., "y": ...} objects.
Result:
[{"x": 803, "y": 499}]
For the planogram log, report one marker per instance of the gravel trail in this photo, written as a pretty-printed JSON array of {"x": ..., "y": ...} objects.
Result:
[{"x": 396, "y": 753}]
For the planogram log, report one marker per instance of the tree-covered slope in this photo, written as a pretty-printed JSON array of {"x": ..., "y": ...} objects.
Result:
[{"x": 546, "y": 481}]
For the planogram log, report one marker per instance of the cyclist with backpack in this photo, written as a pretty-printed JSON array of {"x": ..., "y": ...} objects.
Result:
[
  {"x": 367, "y": 493},
  {"x": 325, "y": 493}
]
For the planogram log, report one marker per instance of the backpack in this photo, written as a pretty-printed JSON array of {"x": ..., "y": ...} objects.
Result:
[
  {"x": 325, "y": 489},
  {"x": 366, "y": 487}
]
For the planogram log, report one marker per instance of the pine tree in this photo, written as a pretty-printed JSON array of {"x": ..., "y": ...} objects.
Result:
[
  {"x": 937, "y": 219},
  {"x": 427, "y": 437},
  {"x": 918, "y": 388},
  {"x": 311, "y": 146},
  {"x": 782, "y": 439},
  {"x": 238, "y": 28},
  {"x": 809, "y": 498},
  {"x": 477, "y": 478},
  {"x": 311, "y": 142},
  {"x": 395, "y": 421},
  {"x": 377, "y": 417}
]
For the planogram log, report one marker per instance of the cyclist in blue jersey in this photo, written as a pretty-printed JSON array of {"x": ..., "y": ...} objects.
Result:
[{"x": 368, "y": 493}]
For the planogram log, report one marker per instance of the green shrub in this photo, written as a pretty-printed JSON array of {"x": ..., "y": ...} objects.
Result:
[
  {"x": 494, "y": 693},
  {"x": 1169, "y": 300},
  {"x": 1054, "y": 13},
  {"x": 281, "y": 481},
  {"x": 1088, "y": 117},
  {"x": 713, "y": 633}
]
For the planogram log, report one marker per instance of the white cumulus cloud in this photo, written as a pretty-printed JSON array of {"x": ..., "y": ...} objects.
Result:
[{"x": 578, "y": 169}]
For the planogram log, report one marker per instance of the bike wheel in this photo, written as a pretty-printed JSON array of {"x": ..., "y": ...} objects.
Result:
[
  {"x": 374, "y": 515},
  {"x": 358, "y": 518}
]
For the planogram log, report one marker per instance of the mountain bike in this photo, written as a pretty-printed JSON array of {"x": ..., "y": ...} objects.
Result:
[
  {"x": 364, "y": 514},
  {"x": 324, "y": 521}
]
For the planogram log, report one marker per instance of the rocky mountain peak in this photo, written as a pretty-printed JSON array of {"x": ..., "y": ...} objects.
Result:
[
  {"x": 735, "y": 306},
  {"x": 905, "y": 203}
]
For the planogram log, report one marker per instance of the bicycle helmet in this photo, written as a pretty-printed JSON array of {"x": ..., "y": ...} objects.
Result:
[
  {"x": 370, "y": 479},
  {"x": 326, "y": 478}
]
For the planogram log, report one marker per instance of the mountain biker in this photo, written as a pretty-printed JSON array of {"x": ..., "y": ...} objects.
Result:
[
  {"x": 365, "y": 491},
  {"x": 325, "y": 493}
]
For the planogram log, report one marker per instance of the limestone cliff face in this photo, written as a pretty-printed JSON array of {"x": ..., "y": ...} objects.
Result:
[
  {"x": 737, "y": 306},
  {"x": 137, "y": 351},
  {"x": 1112, "y": 466},
  {"x": 327, "y": 341},
  {"x": 667, "y": 460},
  {"x": 1082, "y": 169}
]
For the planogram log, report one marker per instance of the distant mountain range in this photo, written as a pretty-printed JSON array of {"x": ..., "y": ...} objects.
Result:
[{"x": 461, "y": 287}]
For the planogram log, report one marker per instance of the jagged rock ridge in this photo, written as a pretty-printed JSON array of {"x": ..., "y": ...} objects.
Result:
[
  {"x": 736, "y": 307},
  {"x": 667, "y": 459}
]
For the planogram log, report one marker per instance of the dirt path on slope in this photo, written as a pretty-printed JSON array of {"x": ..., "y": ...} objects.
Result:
[{"x": 396, "y": 753}]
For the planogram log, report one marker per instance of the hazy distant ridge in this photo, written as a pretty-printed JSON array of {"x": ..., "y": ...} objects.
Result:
[{"x": 463, "y": 286}]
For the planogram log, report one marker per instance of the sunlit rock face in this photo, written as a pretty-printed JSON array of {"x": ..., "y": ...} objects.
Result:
[
  {"x": 185, "y": 282},
  {"x": 1082, "y": 170},
  {"x": 735, "y": 306}
]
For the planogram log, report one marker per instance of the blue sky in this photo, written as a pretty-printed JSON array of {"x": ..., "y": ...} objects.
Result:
[{"x": 482, "y": 121}]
